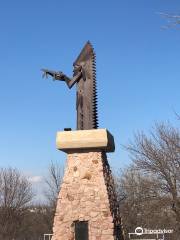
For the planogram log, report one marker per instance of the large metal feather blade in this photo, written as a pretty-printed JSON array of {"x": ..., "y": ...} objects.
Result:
[{"x": 87, "y": 114}]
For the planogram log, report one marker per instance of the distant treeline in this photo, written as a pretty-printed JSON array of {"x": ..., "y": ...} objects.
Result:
[{"x": 148, "y": 190}]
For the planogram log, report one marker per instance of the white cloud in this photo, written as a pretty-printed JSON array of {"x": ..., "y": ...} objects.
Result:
[{"x": 35, "y": 179}]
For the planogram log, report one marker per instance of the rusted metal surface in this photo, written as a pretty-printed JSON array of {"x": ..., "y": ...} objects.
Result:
[{"x": 84, "y": 76}]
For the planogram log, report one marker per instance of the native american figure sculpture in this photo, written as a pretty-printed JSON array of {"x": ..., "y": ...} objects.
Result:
[
  {"x": 87, "y": 205},
  {"x": 84, "y": 76}
]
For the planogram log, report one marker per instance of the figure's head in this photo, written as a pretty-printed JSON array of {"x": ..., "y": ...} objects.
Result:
[{"x": 77, "y": 68}]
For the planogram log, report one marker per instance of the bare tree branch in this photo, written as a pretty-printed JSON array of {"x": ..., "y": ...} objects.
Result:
[
  {"x": 159, "y": 155},
  {"x": 15, "y": 195},
  {"x": 53, "y": 182}
]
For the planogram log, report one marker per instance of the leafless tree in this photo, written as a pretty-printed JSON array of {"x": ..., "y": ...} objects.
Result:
[
  {"x": 142, "y": 203},
  {"x": 53, "y": 182},
  {"x": 15, "y": 195},
  {"x": 177, "y": 115},
  {"x": 158, "y": 154}
]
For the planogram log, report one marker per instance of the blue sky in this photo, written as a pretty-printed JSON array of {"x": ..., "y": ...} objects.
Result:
[{"x": 137, "y": 73}]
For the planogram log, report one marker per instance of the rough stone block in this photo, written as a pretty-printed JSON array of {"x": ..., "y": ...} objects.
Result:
[{"x": 97, "y": 139}]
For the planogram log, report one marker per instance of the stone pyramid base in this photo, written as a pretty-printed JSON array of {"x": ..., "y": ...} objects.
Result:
[{"x": 87, "y": 196}]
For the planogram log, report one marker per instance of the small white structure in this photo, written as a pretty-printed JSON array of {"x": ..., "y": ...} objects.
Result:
[{"x": 47, "y": 236}]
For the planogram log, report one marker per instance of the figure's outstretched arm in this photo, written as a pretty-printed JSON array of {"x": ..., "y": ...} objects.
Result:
[{"x": 60, "y": 76}]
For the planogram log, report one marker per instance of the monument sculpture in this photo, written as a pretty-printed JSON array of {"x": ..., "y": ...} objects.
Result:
[
  {"x": 87, "y": 206},
  {"x": 85, "y": 79}
]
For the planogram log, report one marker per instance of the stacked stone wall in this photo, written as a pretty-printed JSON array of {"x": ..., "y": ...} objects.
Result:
[
  {"x": 113, "y": 201},
  {"x": 87, "y": 194}
]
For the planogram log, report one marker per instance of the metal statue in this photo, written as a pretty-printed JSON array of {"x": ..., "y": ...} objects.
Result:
[{"x": 84, "y": 76}]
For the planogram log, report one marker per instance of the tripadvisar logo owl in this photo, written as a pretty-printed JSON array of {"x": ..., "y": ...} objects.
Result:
[{"x": 157, "y": 234}]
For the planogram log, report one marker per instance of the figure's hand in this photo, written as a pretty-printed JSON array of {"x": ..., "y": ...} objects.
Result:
[
  {"x": 56, "y": 75},
  {"x": 59, "y": 76},
  {"x": 45, "y": 73}
]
